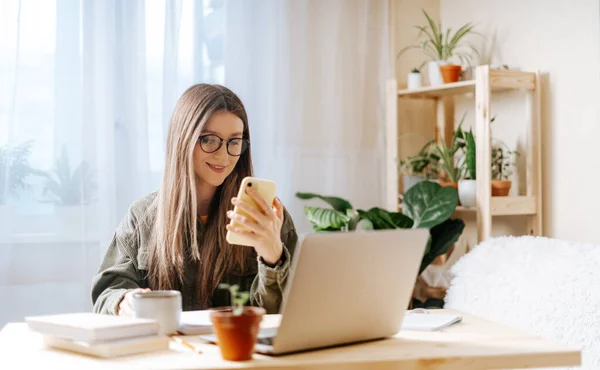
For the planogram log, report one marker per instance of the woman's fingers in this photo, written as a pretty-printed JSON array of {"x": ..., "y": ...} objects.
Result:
[
  {"x": 239, "y": 220},
  {"x": 242, "y": 232},
  {"x": 250, "y": 210},
  {"x": 263, "y": 206},
  {"x": 126, "y": 304},
  {"x": 278, "y": 208}
]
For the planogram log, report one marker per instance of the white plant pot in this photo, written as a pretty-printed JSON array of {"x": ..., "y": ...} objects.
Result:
[
  {"x": 467, "y": 193},
  {"x": 435, "y": 75},
  {"x": 415, "y": 80},
  {"x": 410, "y": 181}
]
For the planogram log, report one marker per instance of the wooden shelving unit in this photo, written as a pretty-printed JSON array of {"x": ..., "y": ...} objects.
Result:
[{"x": 487, "y": 81}]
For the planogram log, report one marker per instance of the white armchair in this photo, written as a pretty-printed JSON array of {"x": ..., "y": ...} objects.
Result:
[{"x": 545, "y": 286}]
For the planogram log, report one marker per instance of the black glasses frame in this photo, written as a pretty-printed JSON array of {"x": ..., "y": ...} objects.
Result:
[{"x": 221, "y": 140}]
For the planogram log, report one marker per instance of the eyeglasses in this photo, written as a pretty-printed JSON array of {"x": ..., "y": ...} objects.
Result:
[{"x": 212, "y": 143}]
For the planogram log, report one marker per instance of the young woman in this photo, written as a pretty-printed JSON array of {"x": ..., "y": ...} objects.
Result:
[{"x": 175, "y": 238}]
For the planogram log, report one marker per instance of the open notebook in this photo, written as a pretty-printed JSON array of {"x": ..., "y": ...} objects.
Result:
[
  {"x": 428, "y": 320},
  {"x": 195, "y": 323},
  {"x": 198, "y": 322}
]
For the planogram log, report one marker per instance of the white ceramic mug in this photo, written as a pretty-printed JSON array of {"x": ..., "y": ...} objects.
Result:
[{"x": 164, "y": 306}]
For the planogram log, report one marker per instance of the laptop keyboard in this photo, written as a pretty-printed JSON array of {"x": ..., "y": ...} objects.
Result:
[
  {"x": 266, "y": 340},
  {"x": 266, "y": 336}
]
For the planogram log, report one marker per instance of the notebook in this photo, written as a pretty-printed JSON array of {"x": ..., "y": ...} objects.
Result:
[
  {"x": 92, "y": 327},
  {"x": 195, "y": 323},
  {"x": 198, "y": 322},
  {"x": 427, "y": 320},
  {"x": 114, "y": 348}
]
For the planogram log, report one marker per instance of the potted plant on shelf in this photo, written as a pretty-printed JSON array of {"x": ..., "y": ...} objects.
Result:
[
  {"x": 441, "y": 46},
  {"x": 451, "y": 164},
  {"x": 502, "y": 168},
  {"x": 422, "y": 166},
  {"x": 467, "y": 187},
  {"x": 427, "y": 205},
  {"x": 236, "y": 327},
  {"x": 415, "y": 79}
]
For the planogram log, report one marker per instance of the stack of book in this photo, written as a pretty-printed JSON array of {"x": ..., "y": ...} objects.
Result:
[{"x": 99, "y": 335}]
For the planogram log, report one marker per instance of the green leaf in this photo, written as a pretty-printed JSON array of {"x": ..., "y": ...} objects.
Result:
[
  {"x": 354, "y": 219},
  {"x": 365, "y": 224},
  {"x": 442, "y": 237},
  {"x": 325, "y": 218},
  {"x": 429, "y": 204},
  {"x": 380, "y": 218},
  {"x": 401, "y": 220},
  {"x": 339, "y": 204},
  {"x": 471, "y": 157}
]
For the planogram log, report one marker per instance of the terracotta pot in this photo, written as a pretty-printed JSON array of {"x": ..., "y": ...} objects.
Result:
[
  {"x": 450, "y": 72},
  {"x": 237, "y": 334},
  {"x": 501, "y": 188},
  {"x": 451, "y": 184}
]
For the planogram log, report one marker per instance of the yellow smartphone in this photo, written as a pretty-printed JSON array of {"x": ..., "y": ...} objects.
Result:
[{"x": 266, "y": 189}]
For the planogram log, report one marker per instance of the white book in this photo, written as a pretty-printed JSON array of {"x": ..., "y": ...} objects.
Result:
[
  {"x": 428, "y": 321},
  {"x": 115, "y": 348},
  {"x": 92, "y": 327},
  {"x": 195, "y": 323}
]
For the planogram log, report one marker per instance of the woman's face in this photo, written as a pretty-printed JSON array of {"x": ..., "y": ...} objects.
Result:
[{"x": 213, "y": 168}]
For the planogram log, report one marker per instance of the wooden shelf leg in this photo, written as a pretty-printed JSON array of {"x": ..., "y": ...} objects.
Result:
[
  {"x": 391, "y": 138},
  {"x": 445, "y": 120},
  {"x": 534, "y": 158},
  {"x": 484, "y": 153}
]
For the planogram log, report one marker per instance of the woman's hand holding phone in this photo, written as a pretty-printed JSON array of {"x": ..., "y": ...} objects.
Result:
[{"x": 263, "y": 225}]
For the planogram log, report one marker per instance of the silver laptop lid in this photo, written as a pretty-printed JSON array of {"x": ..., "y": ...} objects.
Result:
[{"x": 349, "y": 286}]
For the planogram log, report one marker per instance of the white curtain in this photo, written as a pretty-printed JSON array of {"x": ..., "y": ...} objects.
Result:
[
  {"x": 312, "y": 74},
  {"x": 87, "y": 89}
]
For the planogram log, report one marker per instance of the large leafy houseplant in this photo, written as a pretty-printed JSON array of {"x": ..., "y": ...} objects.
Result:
[
  {"x": 14, "y": 170},
  {"x": 425, "y": 205},
  {"x": 68, "y": 187}
]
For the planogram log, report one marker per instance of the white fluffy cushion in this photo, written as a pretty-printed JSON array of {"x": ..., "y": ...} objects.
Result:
[{"x": 545, "y": 286}]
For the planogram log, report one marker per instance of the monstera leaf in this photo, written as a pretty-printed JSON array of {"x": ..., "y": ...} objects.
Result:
[
  {"x": 378, "y": 217},
  {"x": 401, "y": 220},
  {"x": 339, "y": 204},
  {"x": 428, "y": 204},
  {"x": 442, "y": 237},
  {"x": 325, "y": 219}
]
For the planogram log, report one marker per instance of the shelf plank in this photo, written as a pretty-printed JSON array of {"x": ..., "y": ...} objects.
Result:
[
  {"x": 500, "y": 80},
  {"x": 508, "y": 80},
  {"x": 510, "y": 206},
  {"x": 503, "y": 206},
  {"x": 454, "y": 88}
]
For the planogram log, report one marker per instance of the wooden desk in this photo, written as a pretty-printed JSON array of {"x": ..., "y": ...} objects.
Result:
[{"x": 472, "y": 344}]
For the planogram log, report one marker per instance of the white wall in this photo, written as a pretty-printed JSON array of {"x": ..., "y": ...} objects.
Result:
[
  {"x": 406, "y": 14},
  {"x": 561, "y": 39}
]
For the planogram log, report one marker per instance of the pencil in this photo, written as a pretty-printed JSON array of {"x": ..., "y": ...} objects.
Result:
[{"x": 186, "y": 344}]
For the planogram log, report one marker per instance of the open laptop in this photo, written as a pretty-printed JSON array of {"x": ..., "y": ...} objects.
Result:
[{"x": 346, "y": 287}]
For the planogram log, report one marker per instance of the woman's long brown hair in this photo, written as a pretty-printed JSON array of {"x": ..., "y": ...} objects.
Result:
[{"x": 175, "y": 237}]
